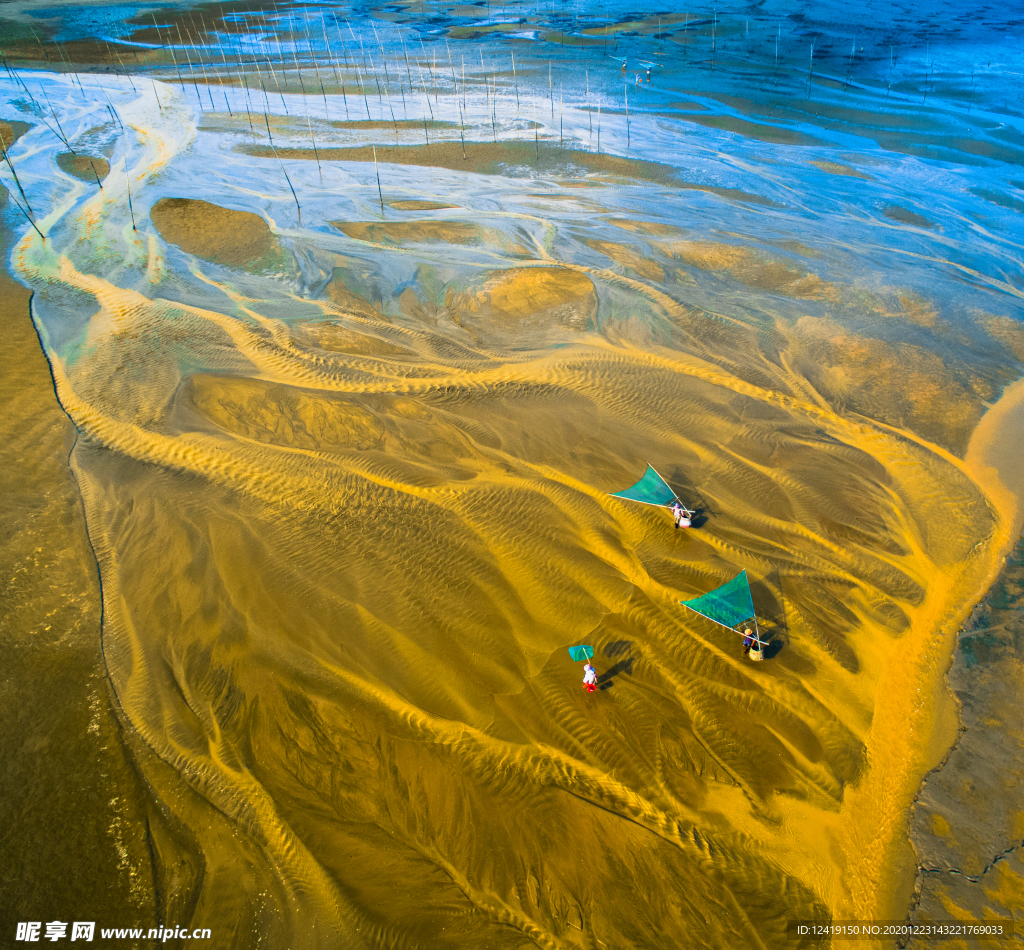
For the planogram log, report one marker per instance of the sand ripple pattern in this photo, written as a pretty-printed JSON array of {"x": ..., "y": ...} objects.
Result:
[{"x": 346, "y": 538}]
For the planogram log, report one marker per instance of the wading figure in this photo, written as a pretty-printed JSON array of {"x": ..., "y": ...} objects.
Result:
[
  {"x": 732, "y": 607},
  {"x": 681, "y": 515},
  {"x": 652, "y": 489},
  {"x": 586, "y": 653}
]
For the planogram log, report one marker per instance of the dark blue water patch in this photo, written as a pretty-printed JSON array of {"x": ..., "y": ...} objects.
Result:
[{"x": 82, "y": 23}]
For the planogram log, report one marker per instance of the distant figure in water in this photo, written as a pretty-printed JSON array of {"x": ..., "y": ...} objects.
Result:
[
  {"x": 748, "y": 641},
  {"x": 648, "y": 73},
  {"x": 681, "y": 516},
  {"x": 589, "y": 678}
]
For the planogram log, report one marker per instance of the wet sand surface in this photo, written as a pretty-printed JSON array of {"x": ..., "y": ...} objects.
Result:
[
  {"x": 967, "y": 823},
  {"x": 217, "y": 234},
  {"x": 349, "y": 405},
  {"x": 62, "y": 744},
  {"x": 84, "y": 167}
]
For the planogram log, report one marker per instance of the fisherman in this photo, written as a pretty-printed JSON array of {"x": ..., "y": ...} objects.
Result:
[
  {"x": 681, "y": 515},
  {"x": 589, "y": 678},
  {"x": 648, "y": 73},
  {"x": 748, "y": 641}
]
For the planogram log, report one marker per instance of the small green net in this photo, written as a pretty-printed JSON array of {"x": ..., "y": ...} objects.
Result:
[
  {"x": 728, "y": 605},
  {"x": 581, "y": 653},
  {"x": 652, "y": 489}
]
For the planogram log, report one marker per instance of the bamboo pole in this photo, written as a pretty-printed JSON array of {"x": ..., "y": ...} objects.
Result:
[
  {"x": 455, "y": 82},
  {"x": 377, "y": 171},
  {"x": 156, "y": 95},
  {"x": 302, "y": 85},
  {"x": 131, "y": 210},
  {"x": 330, "y": 53},
  {"x": 248, "y": 106},
  {"x": 209, "y": 91},
  {"x": 125, "y": 71},
  {"x": 283, "y": 169},
  {"x": 362, "y": 86},
  {"x": 17, "y": 180},
  {"x": 170, "y": 49},
  {"x": 30, "y": 221},
  {"x": 191, "y": 71},
  {"x": 319, "y": 78},
  {"x": 64, "y": 137},
  {"x": 270, "y": 64},
  {"x": 227, "y": 72}
]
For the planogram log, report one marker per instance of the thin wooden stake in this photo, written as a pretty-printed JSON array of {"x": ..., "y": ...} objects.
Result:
[
  {"x": 160, "y": 105},
  {"x": 330, "y": 53},
  {"x": 131, "y": 210},
  {"x": 125, "y": 71},
  {"x": 778, "y": 36},
  {"x": 362, "y": 86},
  {"x": 284, "y": 104},
  {"x": 283, "y": 169},
  {"x": 43, "y": 48},
  {"x": 590, "y": 117},
  {"x": 17, "y": 180},
  {"x": 455, "y": 81},
  {"x": 316, "y": 154},
  {"x": 298, "y": 69},
  {"x": 191, "y": 71},
  {"x": 319, "y": 78},
  {"x": 377, "y": 170},
  {"x": 248, "y": 106},
  {"x": 30, "y": 221},
  {"x": 55, "y": 119}
]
